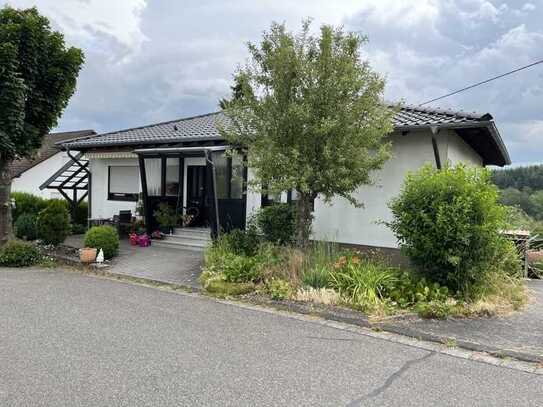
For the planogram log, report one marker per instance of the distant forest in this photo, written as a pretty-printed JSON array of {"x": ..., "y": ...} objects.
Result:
[{"x": 522, "y": 187}]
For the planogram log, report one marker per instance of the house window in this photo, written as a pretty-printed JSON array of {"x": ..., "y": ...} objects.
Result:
[
  {"x": 228, "y": 176},
  {"x": 153, "y": 174},
  {"x": 172, "y": 176},
  {"x": 123, "y": 183}
]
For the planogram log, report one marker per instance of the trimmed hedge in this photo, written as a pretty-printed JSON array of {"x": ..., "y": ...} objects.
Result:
[
  {"x": 105, "y": 238},
  {"x": 26, "y": 203}
]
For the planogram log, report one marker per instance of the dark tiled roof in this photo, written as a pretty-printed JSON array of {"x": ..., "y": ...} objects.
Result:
[
  {"x": 204, "y": 127},
  {"x": 47, "y": 150}
]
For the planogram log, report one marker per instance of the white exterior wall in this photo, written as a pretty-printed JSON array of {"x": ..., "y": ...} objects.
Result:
[
  {"x": 30, "y": 180},
  {"x": 458, "y": 151},
  {"x": 343, "y": 223},
  {"x": 101, "y": 207}
]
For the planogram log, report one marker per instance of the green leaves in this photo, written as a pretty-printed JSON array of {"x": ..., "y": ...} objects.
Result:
[
  {"x": 37, "y": 78},
  {"x": 448, "y": 221}
]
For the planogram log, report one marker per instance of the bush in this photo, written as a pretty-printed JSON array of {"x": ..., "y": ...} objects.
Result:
[
  {"x": 78, "y": 229},
  {"x": 277, "y": 223},
  {"x": 239, "y": 269},
  {"x": 81, "y": 214},
  {"x": 318, "y": 277},
  {"x": 105, "y": 238},
  {"x": 25, "y": 226},
  {"x": 279, "y": 289},
  {"x": 363, "y": 282},
  {"x": 242, "y": 242},
  {"x": 53, "y": 223},
  {"x": 448, "y": 221},
  {"x": 26, "y": 203},
  {"x": 16, "y": 253}
]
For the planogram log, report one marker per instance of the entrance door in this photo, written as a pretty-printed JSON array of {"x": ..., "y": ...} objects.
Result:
[{"x": 196, "y": 193}]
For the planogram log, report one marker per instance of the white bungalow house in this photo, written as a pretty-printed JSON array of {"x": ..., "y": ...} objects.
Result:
[
  {"x": 182, "y": 162},
  {"x": 28, "y": 174}
]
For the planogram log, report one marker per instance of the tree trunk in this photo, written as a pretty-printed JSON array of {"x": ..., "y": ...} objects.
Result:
[
  {"x": 5, "y": 202},
  {"x": 304, "y": 218}
]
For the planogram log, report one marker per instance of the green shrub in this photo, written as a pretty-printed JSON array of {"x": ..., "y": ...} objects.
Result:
[
  {"x": 78, "y": 229},
  {"x": 318, "y": 277},
  {"x": 81, "y": 214},
  {"x": 165, "y": 216},
  {"x": 16, "y": 253},
  {"x": 239, "y": 269},
  {"x": 25, "y": 226},
  {"x": 26, "y": 203},
  {"x": 363, "y": 282},
  {"x": 53, "y": 223},
  {"x": 409, "y": 289},
  {"x": 277, "y": 223},
  {"x": 105, "y": 238},
  {"x": 278, "y": 289},
  {"x": 242, "y": 242},
  {"x": 448, "y": 221}
]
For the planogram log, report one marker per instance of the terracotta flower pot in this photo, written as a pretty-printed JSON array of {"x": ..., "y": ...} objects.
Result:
[{"x": 87, "y": 255}]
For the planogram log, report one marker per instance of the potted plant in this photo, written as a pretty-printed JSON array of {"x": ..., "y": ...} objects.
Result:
[
  {"x": 166, "y": 217},
  {"x": 87, "y": 254}
]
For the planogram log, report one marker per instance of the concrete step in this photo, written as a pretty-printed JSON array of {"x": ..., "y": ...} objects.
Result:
[
  {"x": 192, "y": 232},
  {"x": 189, "y": 238},
  {"x": 184, "y": 245}
]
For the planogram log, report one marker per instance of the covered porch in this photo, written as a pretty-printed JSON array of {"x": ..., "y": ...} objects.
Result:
[{"x": 204, "y": 182}]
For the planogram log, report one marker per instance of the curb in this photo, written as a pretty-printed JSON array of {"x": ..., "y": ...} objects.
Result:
[{"x": 342, "y": 315}]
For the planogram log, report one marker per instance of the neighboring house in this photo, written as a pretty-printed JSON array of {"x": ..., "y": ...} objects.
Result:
[
  {"x": 29, "y": 173},
  {"x": 182, "y": 162}
]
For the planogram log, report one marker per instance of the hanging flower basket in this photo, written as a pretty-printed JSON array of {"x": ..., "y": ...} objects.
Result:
[{"x": 87, "y": 254}]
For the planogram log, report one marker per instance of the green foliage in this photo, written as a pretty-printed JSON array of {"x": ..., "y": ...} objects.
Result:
[
  {"x": 16, "y": 253},
  {"x": 296, "y": 109},
  {"x": 78, "y": 229},
  {"x": 53, "y": 223},
  {"x": 448, "y": 221},
  {"x": 81, "y": 215},
  {"x": 26, "y": 203},
  {"x": 409, "y": 290},
  {"x": 278, "y": 289},
  {"x": 317, "y": 277},
  {"x": 25, "y": 227},
  {"x": 242, "y": 242},
  {"x": 37, "y": 78},
  {"x": 165, "y": 216},
  {"x": 215, "y": 284},
  {"x": 105, "y": 238},
  {"x": 363, "y": 282},
  {"x": 519, "y": 177},
  {"x": 277, "y": 223}
]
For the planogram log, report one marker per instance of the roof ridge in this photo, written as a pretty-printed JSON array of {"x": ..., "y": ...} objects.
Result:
[
  {"x": 159, "y": 123},
  {"x": 446, "y": 111}
]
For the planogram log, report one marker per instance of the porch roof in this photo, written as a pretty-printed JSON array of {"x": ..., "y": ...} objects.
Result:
[{"x": 179, "y": 150}]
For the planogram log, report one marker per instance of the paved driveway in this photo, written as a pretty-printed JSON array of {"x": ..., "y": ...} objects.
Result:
[
  {"x": 521, "y": 331},
  {"x": 72, "y": 340},
  {"x": 170, "y": 265}
]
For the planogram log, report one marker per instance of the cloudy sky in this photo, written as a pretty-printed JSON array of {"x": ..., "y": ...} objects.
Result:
[{"x": 154, "y": 60}]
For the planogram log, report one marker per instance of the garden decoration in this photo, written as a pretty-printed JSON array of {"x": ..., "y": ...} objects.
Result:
[
  {"x": 87, "y": 255},
  {"x": 100, "y": 257},
  {"x": 144, "y": 240}
]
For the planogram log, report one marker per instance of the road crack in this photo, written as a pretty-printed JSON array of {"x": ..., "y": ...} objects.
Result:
[{"x": 391, "y": 379}]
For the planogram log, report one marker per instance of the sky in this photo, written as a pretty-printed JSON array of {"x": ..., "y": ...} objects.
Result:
[{"x": 155, "y": 60}]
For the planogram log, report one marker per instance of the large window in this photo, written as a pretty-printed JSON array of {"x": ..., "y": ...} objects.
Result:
[
  {"x": 228, "y": 175},
  {"x": 123, "y": 183},
  {"x": 172, "y": 176},
  {"x": 153, "y": 174}
]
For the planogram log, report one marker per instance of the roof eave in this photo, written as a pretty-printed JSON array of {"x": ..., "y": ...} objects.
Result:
[{"x": 138, "y": 143}]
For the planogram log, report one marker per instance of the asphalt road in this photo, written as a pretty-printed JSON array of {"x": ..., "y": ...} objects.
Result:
[{"x": 73, "y": 340}]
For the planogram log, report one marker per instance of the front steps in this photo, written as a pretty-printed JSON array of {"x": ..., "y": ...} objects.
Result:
[{"x": 196, "y": 239}]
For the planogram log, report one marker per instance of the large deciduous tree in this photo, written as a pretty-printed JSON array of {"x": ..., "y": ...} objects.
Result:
[
  {"x": 309, "y": 114},
  {"x": 38, "y": 76}
]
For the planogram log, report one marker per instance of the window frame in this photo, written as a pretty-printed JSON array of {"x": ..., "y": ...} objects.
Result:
[{"x": 120, "y": 196}]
